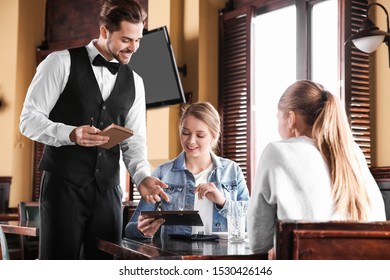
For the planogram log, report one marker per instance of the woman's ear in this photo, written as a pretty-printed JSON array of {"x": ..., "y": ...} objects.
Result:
[
  {"x": 214, "y": 143},
  {"x": 291, "y": 119}
]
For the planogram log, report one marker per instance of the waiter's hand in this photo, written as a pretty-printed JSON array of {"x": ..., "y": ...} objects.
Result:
[
  {"x": 151, "y": 190},
  {"x": 87, "y": 136}
]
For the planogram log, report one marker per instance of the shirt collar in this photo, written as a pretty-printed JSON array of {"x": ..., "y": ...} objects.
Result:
[
  {"x": 93, "y": 51},
  {"x": 179, "y": 163}
]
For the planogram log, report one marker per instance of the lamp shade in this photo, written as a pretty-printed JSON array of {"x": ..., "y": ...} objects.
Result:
[
  {"x": 368, "y": 44},
  {"x": 369, "y": 37}
]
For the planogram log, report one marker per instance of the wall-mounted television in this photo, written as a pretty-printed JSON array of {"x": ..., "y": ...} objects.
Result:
[{"x": 155, "y": 62}]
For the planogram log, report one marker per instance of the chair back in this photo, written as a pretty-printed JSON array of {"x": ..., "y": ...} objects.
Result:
[
  {"x": 4, "y": 255},
  {"x": 29, "y": 245},
  {"x": 333, "y": 240},
  {"x": 384, "y": 186},
  {"x": 5, "y": 185},
  {"x": 28, "y": 211},
  {"x": 382, "y": 178}
]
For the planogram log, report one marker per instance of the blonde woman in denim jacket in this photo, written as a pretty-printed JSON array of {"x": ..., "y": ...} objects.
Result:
[{"x": 197, "y": 179}]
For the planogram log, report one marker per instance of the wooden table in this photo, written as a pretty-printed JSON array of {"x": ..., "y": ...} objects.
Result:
[
  {"x": 160, "y": 248},
  {"x": 21, "y": 228}
]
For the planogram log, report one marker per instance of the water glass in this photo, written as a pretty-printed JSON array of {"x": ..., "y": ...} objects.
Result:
[
  {"x": 236, "y": 248},
  {"x": 236, "y": 217}
]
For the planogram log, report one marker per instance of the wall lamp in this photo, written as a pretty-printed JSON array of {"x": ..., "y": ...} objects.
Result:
[{"x": 369, "y": 37}]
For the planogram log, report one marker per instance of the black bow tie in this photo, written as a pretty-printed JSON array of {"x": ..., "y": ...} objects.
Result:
[{"x": 111, "y": 66}]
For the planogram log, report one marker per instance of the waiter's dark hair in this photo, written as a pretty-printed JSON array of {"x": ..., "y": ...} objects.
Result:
[{"x": 113, "y": 12}]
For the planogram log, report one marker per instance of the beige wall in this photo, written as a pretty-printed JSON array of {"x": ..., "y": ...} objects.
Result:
[
  {"x": 9, "y": 28},
  {"x": 22, "y": 28},
  {"x": 380, "y": 91}
]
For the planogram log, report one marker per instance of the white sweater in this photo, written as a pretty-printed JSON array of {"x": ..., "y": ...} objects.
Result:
[{"x": 293, "y": 182}]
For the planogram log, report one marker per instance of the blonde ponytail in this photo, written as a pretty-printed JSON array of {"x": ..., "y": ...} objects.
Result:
[{"x": 334, "y": 140}]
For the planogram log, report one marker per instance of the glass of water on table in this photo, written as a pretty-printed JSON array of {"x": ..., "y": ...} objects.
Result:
[{"x": 236, "y": 217}]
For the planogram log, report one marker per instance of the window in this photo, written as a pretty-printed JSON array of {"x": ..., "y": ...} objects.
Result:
[
  {"x": 274, "y": 68},
  {"x": 275, "y": 53},
  {"x": 324, "y": 45}
]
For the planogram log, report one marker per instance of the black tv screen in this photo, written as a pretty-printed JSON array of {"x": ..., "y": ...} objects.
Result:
[{"x": 155, "y": 62}]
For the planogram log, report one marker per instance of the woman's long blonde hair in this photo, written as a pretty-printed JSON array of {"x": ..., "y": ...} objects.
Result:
[{"x": 330, "y": 130}]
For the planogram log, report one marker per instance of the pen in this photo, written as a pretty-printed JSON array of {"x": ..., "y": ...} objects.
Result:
[
  {"x": 91, "y": 122},
  {"x": 156, "y": 206}
]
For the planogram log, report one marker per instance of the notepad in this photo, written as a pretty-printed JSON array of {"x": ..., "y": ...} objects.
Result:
[{"x": 116, "y": 133}]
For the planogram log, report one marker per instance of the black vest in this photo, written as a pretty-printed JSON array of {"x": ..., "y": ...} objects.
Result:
[{"x": 81, "y": 100}]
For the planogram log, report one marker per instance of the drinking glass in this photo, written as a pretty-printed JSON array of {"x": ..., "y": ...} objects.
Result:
[{"x": 236, "y": 217}]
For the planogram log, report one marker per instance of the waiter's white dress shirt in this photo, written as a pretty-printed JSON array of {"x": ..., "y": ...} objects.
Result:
[{"x": 44, "y": 91}]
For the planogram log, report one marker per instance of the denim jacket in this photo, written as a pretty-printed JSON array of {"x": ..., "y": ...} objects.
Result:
[{"x": 226, "y": 175}]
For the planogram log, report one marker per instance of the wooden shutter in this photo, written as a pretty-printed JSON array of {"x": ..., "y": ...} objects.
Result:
[
  {"x": 357, "y": 83},
  {"x": 37, "y": 174},
  {"x": 134, "y": 193},
  {"x": 234, "y": 88}
]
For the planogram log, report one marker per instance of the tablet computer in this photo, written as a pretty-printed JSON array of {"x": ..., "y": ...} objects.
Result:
[{"x": 175, "y": 218}]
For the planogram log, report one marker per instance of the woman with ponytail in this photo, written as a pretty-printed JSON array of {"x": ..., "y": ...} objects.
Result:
[{"x": 317, "y": 172}]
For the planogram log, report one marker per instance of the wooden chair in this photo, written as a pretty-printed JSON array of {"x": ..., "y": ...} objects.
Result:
[
  {"x": 5, "y": 185},
  {"x": 382, "y": 178},
  {"x": 4, "y": 255},
  {"x": 342, "y": 240},
  {"x": 29, "y": 245}
]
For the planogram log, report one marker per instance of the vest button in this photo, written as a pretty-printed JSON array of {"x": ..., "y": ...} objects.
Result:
[
  {"x": 101, "y": 123},
  {"x": 99, "y": 154},
  {"x": 96, "y": 170},
  {"x": 104, "y": 107}
]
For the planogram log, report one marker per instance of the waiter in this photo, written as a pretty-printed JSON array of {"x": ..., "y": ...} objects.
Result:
[{"x": 81, "y": 196}]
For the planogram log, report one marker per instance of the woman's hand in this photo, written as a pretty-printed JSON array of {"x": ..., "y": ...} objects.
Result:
[
  {"x": 148, "y": 227},
  {"x": 210, "y": 191}
]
